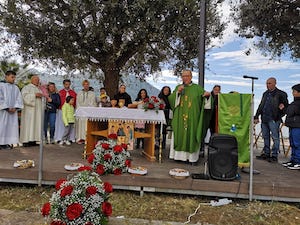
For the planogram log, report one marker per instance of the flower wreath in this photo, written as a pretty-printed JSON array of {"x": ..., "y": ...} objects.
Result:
[
  {"x": 81, "y": 200},
  {"x": 110, "y": 158}
]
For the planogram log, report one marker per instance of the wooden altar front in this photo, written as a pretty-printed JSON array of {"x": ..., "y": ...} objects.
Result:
[{"x": 97, "y": 125}]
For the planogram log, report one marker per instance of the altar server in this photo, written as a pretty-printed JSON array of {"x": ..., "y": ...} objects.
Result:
[{"x": 10, "y": 102}]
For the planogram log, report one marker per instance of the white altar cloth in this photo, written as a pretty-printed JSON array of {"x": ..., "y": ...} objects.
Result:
[{"x": 123, "y": 114}]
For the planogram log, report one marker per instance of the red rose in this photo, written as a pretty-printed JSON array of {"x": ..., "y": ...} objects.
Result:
[
  {"x": 57, "y": 222},
  {"x": 91, "y": 158},
  {"x": 146, "y": 100},
  {"x": 128, "y": 163},
  {"x": 74, "y": 211},
  {"x": 106, "y": 208},
  {"x": 83, "y": 168},
  {"x": 124, "y": 146},
  {"x": 112, "y": 136},
  {"x": 118, "y": 149},
  {"x": 117, "y": 171},
  {"x": 108, "y": 188},
  {"x": 100, "y": 169},
  {"x": 161, "y": 106},
  {"x": 89, "y": 223},
  {"x": 66, "y": 191},
  {"x": 151, "y": 106},
  {"x": 105, "y": 146},
  {"x": 46, "y": 209},
  {"x": 107, "y": 157},
  {"x": 59, "y": 183},
  {"x": 91, "y": 190}
]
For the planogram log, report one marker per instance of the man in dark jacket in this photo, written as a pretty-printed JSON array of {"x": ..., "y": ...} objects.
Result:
[
  {"x": 293, "y": 122},
  {"x": 52, "y": 104},
  {"x": 271, "y": 109}
]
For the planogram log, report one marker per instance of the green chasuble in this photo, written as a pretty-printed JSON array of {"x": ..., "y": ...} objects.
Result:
[
  {"x": 187, "y": 122},
  {"x": 234, "y": 117}
]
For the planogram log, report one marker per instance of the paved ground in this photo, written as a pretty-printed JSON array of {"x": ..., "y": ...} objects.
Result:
[{"x": 8, "y": 217}]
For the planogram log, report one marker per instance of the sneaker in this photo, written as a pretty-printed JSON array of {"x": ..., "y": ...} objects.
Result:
[
  {"x": 68, "y": 143},
  {"x": 52, "y": 141},
  {"x": 286, "y": 164},
  {"x": 273, "y": 159},
  {"x": 294, "y": 167},
  {"x": 263, "y": 156},
  {"x": 61, "y": 143}
]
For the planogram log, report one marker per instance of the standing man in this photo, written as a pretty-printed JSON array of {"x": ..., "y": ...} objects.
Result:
[
  {"x": 187, "y": 105},
  {"x": 214, "y": 109},
  {"x": 32, "y": 113},
  {"x": 85, "y": 98},
  {"x": 52, "y": 104},
  {"x": 271, "y": 109},
  {"x": 10, "y": 102},
  {"x": 59, "y": 125}
]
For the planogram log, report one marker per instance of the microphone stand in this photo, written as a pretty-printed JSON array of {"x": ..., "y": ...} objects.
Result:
[{"x": 251, "y": 137}]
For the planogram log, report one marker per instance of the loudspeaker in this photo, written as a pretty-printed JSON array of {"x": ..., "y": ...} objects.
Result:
[{"x": 223, "y": 157}]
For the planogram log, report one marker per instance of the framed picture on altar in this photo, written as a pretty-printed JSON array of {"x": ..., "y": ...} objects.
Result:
[{"x": 124, "y": 132}]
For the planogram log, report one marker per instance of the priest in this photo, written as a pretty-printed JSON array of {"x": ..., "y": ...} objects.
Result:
[
  {"x": 187, "y": 105},
  {"x": 31, "y": 118},
  {"x": 10, "y": 102}
]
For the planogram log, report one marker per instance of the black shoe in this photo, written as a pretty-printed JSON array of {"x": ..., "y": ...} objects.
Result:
[
  {"x": 263, "y": 156},
  {"x": 286, "y": 164},
  {"x": 5, "y": 146},
  {"x": 273, "y": 159},
  {"x": 33, "y": 143},
  {"x": 26, "y": 144}
]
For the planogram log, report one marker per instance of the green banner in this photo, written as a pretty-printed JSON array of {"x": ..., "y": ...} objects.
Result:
[{"x": 234, "y": 117}]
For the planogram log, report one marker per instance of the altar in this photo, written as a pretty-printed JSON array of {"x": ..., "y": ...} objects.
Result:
[{"x": 99, "y": 117}]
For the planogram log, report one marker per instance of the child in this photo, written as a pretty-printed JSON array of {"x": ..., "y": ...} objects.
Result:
[
  {"x": 68, "y": 119},
  {"x": 104, "y": 101},
  {"x": 293, "y": 122}
]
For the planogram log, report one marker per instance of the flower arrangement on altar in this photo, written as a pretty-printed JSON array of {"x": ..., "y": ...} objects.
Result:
[
  {"x": 153, "y": 103},
  {"x": 110, "y": 158},
  {"x": 81, "y": 200}
]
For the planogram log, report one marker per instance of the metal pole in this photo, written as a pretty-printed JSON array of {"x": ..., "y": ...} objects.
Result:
[
  {"x": 251, "y": 145},
  {"x": 40, "y": 173},
  {"x": 201, "y": 59}
]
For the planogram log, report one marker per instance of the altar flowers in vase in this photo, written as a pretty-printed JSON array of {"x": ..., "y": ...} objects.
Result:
[
  {"x": 153, "y": 103},
  {"x": 80, "y": 200},
  {"x": 110, "y": 158}
]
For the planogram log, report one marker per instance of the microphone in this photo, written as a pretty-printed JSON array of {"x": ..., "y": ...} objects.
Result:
[{"x": 254, "y": 78}]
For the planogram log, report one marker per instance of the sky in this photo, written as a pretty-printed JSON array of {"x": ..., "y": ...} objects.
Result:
[{"x": 227, "y": 63}]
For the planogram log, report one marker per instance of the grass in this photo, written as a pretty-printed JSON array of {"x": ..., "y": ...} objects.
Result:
[{"x": 166, "y": 207}]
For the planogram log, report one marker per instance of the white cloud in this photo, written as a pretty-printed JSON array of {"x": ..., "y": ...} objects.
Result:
[{"x": 254, "y": 61}]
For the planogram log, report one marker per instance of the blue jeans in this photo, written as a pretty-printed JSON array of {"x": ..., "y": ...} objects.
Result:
[
  {"x": 49, "y": 120},
  {"x": 271, "y": 129},
  {"x": 295, "y": 145}
]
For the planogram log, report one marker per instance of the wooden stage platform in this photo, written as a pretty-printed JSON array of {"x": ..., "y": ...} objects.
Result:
[{"x": 273, "y": 183}]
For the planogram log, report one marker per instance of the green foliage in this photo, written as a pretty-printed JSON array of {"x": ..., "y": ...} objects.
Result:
[
  {"x": 275, "y": 22},
  {"x": 114, "y": 36}
]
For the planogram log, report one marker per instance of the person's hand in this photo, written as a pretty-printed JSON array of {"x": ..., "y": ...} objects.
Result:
[
  {"x": 206, "y": 94},
  {"x": 38, "y": 95},
  {"x": 11, "y": 110},
  {"x": 180, "y": 89},
  {"x": 281, "y": 106},
  {"x": 49, "y": 99},
  {"x": 256, "y": 121}
]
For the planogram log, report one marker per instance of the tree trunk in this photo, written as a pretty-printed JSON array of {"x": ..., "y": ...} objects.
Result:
[{"x": 111, "y": 82}]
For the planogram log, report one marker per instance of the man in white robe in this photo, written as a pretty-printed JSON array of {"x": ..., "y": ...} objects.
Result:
[
  {"x": 31, "y": 118},
  {"x": 85, "y": 98},
  {"x": 10, "y": 102}
]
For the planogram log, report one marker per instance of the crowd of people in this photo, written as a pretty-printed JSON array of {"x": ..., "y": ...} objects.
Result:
[{"x": 185, "y": 111}]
